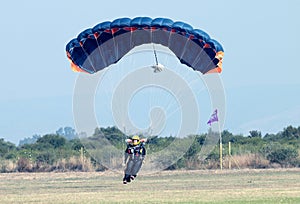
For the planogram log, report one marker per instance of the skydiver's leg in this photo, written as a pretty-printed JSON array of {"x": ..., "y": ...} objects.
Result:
[
  {"x": 128, "y": 171},
  {"x": 129, "y": 167},
  {"x": 137, "y": 166}
]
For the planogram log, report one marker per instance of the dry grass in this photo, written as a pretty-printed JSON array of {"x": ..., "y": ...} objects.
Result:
[
  {"x": 236, "y": 186},
  {"x": 246, "y": 161}
]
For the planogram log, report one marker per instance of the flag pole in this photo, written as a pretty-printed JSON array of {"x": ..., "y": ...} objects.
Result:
[
  {"x": 214, "y": 118},
  {"x": 221, "y": 148},
  {"x": 229, "y": 153}
]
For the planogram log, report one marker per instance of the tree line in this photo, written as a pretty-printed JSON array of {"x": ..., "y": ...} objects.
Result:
[{"x": 64, "y": 151}]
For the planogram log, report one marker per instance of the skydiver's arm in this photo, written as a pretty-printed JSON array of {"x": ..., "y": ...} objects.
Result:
[
  {"x": 125, "y": 157},
  {"x": 143, "y": 155}
]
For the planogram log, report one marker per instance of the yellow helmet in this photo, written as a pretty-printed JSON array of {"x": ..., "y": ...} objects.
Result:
[{"x": 135, "y": 140}]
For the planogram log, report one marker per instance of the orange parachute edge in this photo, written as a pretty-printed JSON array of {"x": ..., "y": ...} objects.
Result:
[
  {"x": 75, "y": 68},
  {"x": 218, "y": 69},
  {"x": 215, "y": 70}
]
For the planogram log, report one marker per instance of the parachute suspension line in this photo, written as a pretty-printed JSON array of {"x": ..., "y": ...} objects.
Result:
[
  {"x": 155, "y": 55},
  {"x": 124, "y": 138},
  {"x": 157, "y": 67},
  {"x": 171, "y": 102}
]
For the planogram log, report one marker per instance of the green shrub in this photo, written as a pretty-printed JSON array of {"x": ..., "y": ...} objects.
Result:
[{"x": 285, "y": 156}]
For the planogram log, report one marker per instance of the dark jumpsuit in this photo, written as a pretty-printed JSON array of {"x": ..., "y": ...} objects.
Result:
[{"x": 135, "y": 156}]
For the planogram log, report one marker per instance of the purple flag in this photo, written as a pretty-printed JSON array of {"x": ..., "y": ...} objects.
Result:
[{"x": 213, "y": 117}]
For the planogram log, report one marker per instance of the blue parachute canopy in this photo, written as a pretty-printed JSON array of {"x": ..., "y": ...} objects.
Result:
[{"x": 106, "y": 43}]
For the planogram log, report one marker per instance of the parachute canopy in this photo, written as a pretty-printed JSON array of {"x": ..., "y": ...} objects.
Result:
[{"x": 106, "y": 43}]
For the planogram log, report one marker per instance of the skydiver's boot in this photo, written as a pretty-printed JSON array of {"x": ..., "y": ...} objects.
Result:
[
  {"x": 126, "y": 179},
  {"x": 132, "y": 177}
]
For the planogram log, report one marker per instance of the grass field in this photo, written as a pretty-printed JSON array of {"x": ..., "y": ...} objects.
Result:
[{"x": 234, "y": 187}]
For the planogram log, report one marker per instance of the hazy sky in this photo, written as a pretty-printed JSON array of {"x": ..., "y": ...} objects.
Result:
[{"x": 260, "y": 69}]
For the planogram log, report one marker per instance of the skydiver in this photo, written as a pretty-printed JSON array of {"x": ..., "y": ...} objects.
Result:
[{"x": 134, "y": 157}]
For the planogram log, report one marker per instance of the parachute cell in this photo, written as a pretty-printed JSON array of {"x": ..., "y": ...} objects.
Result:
[{"x": 106, "y": 43}]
